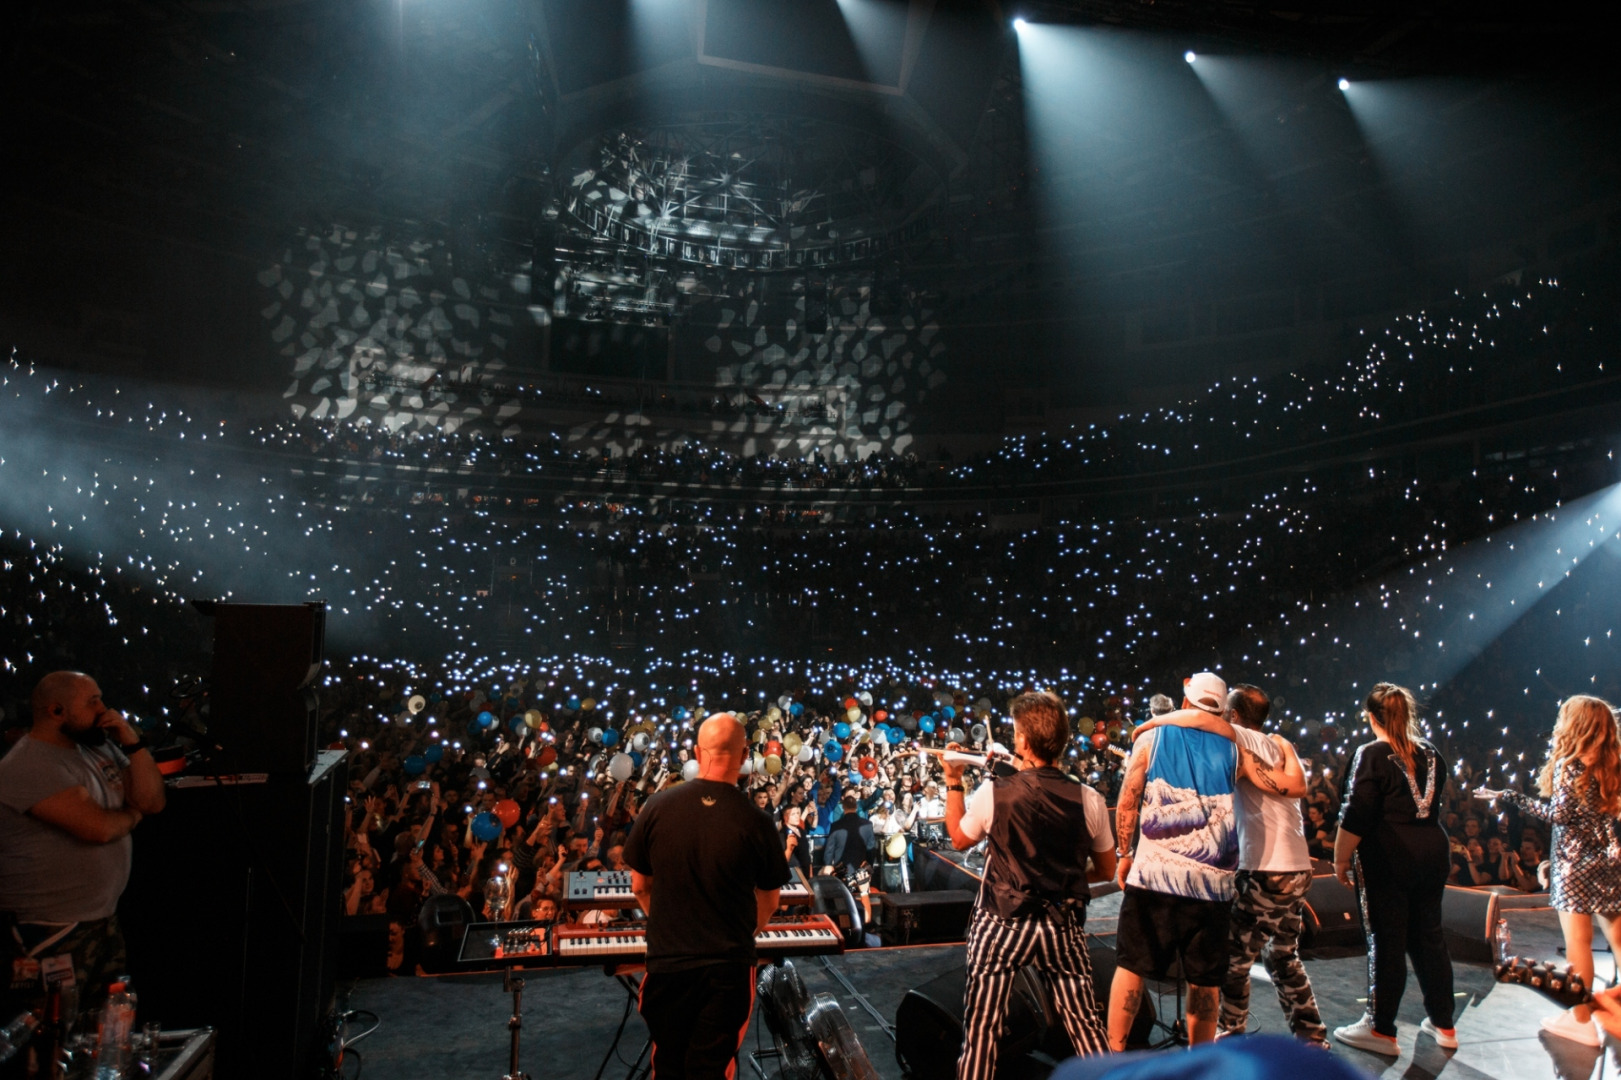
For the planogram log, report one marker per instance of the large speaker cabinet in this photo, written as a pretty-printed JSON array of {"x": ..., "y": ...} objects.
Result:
[
  {"x": 231, "y": 915},
  {"x": 262, "y": 707}
]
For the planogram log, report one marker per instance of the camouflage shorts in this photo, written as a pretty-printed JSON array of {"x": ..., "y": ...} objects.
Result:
[{"x": 97, "y": 952}]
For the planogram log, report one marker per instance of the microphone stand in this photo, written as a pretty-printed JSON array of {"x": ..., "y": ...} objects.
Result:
[{"x": 513, "y": 985}]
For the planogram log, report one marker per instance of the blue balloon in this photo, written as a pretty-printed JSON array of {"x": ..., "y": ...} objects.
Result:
[
  {"x": 434, "y": 754},
  {"x": 515, "y": 723},
  {"x": 474, "y": 728},
  {"x": 855, "y": 777},
  {"x": 797, "y": 709},
  {"x": 680, "y": 712},
  {"x": 573, "y": 703},
  {"x": 841, "y": 730},
  {"x": 486, "y": 719},
  {"x": 609, "y": 737},
  {"x": 637, "y": 757},
  {"x": 926, "y": 725},
  {"x": 414, "y": 765},
  {"x": 832, "y": 751},
  {"x": 948, "y": 712},
  {"x": 486, "y": 826}
]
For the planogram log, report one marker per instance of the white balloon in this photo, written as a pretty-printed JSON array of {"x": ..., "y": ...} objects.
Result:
[
  {"x": 806, "y": 752},
  {"x": 879, "y": 737},
  {"x": 865, "y": 699},
  {"x": 620, "y": 766},
  {"x": 746, "y": 768},
  {"x": 689, "y": 771},
  {"x": 417, "y": 703},
  {"x": 639, "y": 741},
  {"x": 758, "y": 761},
  {"x": 594, "y": 734}
]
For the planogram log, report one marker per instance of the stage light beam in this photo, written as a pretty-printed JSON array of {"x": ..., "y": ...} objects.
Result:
[
  {"x": 1345, "y": 84},
  {"x": 1190, "y": 56}
]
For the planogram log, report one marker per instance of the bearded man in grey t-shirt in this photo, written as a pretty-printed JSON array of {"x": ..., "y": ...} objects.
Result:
[{"x": 70, "y": 792}]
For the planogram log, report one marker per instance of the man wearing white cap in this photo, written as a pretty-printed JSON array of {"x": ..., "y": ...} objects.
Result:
[
  {"x": 1178, "y": 878},
  {"x": 1274, "y": 865}
]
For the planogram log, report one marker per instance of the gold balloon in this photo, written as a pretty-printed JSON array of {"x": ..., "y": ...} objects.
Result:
[
  {"x": 791, "y": 742},
  {"x": 533, "y": 718},
  {"x": 773, "y": 765},
  {"x": 1086, "y": 725},
  {"x": 588, "y": 704}
]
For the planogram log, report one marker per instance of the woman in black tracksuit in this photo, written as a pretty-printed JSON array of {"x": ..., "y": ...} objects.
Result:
[{"x": 1390, "y": 826}]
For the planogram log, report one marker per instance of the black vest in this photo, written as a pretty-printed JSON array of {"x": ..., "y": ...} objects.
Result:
[{"x": 1039, "y": 844}]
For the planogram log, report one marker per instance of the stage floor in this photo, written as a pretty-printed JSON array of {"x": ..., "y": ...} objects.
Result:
[{"x": 455, "y": 1028}]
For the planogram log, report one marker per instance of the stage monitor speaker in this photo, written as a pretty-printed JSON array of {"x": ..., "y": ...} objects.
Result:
[
  {"x": 231, "y": 915},
  {"x": 261, "y": 702},
  {"x": 928, "y": 1023},
  {"x": 1331, "y": 919},
  {"x": 1468, "y": 919},
  {"x": 918, "y": 918}
]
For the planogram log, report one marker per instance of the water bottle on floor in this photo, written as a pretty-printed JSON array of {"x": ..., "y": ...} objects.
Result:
[{"x": 113, "y": 1035}]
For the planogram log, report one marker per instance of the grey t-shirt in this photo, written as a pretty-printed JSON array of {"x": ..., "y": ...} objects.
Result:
[{"x": 47, "y": 874}]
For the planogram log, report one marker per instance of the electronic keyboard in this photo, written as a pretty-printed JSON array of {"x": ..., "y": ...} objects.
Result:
[
  {"x": 537, "y": 945},
  {"x": 609, "y": 890}
]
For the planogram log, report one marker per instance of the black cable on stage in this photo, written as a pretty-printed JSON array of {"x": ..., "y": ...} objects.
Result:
[{"x": 613, "y": 1047}]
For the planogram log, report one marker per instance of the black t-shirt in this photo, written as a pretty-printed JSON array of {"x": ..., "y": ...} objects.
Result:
[{"x": 707, "y": 848}]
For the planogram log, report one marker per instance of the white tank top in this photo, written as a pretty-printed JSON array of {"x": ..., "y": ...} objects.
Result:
[{"x": 1271, "y": 835}]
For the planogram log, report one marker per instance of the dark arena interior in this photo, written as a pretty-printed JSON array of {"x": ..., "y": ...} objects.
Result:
[{"x": 431, "y": 422}]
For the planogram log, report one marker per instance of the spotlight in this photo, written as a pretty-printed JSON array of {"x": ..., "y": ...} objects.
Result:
[
  {"x": 1190, "y": 56},
  {"x": 1345, "y": 84},
  {"x": 1019, "y": 23}
]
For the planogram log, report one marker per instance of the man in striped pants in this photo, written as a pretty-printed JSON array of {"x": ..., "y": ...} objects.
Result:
[{"x": 1032, "y": 902}]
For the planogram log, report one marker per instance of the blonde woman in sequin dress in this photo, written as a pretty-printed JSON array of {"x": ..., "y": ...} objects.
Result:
[{"x": 1581, "y": 789}]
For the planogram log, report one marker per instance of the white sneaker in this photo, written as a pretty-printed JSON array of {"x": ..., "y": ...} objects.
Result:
[
  {"x": 1566, "y": 1026},
  {"x": 1445, "y": 1038},
  {"x": 1362, "y": 1036}
]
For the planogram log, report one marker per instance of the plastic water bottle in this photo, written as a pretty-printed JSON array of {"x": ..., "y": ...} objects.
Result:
[
  {"x": 113, "y": 1035},
  {"x": 16, "y": 1033},
  {"x": 1504, "y": 940}
]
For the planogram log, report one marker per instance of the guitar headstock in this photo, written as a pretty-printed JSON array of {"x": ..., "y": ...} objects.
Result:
[{"x": 1557, "y": 982}]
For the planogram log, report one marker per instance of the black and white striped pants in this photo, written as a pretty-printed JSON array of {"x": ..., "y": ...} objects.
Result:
[{"x": 997, "y": 949}]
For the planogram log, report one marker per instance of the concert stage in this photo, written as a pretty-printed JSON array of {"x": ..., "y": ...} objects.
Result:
[{"x": 454, "y": 1028}]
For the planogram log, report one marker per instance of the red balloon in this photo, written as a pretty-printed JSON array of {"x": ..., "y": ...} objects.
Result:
[
  {"x": 1100, "y": 739},
  {"x": 773, "y": 747},
  {"x": 880, "y": 716},
  {"x": 547, "y": 756},
  {"x": 507, "y": 810},
  {"x": 869, "y": 768},
  {"x": 851, "y": 703}
]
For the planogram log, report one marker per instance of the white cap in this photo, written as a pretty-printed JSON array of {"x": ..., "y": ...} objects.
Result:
[{"x": 1206, "y": 691}]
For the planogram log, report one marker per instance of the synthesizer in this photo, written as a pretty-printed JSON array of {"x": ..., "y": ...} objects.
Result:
[
  {"x": 539, "y": 945},
  {"x": 609, "y": 890}
]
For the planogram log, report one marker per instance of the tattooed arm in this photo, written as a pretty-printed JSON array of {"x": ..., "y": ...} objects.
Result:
[
  {"x": 1285, "y": 777},
  {"x": 1127, "y": 810}
]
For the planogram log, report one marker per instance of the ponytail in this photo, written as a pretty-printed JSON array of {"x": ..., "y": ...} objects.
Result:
[{"x": 1396, "y": 712}]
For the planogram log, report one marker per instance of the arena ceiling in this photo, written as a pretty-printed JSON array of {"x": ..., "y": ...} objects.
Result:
[{"x": 789, "y": 128}]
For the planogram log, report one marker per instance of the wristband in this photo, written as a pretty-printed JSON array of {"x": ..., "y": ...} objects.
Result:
[
  {"x": 135, "y": 747},
  {"x": 954, "y": 787}
]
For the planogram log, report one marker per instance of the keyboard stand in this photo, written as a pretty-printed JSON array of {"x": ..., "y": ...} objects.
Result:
[{"x": 513, "y": 985}]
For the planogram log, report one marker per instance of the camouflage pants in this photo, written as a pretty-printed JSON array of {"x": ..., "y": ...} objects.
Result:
[
  {"x": 97, "y": 949},
  {"x": 1266, "y": 915}
]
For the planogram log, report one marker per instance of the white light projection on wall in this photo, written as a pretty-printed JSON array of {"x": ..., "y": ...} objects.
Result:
[
  {"x": 375, "y": 330},
  {"x": 382, "y": 330}
]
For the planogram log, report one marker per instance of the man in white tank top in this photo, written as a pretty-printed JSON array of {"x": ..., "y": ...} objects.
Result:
[{"x": 1274, "y": 872}]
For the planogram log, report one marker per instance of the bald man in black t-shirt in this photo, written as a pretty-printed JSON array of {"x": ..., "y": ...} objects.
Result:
[{"x": 707, "y": 868}]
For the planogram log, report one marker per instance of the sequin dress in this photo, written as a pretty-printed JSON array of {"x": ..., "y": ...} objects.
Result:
[{"x": 1586, "y": 846}]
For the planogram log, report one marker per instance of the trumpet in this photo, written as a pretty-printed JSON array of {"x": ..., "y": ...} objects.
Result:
[{"x": 995, "y": 753}]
